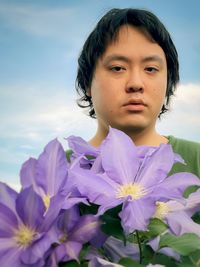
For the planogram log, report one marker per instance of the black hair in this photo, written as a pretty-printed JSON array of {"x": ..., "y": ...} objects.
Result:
[{"x": 106, "y": 31}]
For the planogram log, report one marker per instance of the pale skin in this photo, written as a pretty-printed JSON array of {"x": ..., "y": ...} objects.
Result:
[{"x": 128, "y": 88}]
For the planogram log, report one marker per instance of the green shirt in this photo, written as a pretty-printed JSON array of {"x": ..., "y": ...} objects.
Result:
[{"x": 190, "y": 152}]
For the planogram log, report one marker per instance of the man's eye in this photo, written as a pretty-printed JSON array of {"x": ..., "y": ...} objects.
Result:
[
  {"x": 151, "y": 69},
  {"x": 117, "y": 68}
]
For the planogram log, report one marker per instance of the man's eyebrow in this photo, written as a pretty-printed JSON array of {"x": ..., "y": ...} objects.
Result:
[
  {"x": 155, "y": 58},
  {"x": 116, "y": 57},
  {"x": 119, "y": 57}
]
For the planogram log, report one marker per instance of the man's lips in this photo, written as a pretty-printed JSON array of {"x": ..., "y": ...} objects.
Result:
[{"x": 135, "y": 105}]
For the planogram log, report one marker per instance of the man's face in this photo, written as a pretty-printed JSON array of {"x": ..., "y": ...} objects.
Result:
[{"x": 129, "y": 84}]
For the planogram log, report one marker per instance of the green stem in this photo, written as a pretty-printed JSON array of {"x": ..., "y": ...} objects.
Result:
[{"x": 139, "y": 244}]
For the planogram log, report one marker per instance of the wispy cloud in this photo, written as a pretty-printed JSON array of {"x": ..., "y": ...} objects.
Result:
[{"x": 41, "y": 21}]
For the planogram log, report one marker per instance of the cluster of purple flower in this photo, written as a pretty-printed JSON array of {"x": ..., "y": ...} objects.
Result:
[{"x": 42, "y": 224}]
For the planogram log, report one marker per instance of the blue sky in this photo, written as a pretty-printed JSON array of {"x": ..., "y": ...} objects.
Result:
[{"x": 39, "y": 46}]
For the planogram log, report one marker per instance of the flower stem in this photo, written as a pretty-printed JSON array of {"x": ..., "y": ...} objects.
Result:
[{"x": 139, "y": 245}]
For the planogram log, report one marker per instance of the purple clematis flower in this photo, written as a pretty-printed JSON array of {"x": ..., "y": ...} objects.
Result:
[
  {"x": 24, "y": 236},
  {"x": 48, "y": 175},
  {"x": 177, "y": 214},
  {"x": 72, "y": 231},
  {"x": 128, "y": 180}
]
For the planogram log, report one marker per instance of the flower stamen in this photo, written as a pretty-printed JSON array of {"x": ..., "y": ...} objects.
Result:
[
  {"x": 136, "y": 191},
  {"x": 46, "y": 200},
  {"x": 162, "y": 209},
  {"x": 24, "y": 236}
]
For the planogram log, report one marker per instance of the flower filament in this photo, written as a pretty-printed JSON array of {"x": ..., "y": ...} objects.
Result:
[
  {"x": 135, "y": 190},
  {"x": 162, "y": 209},
  {"x": 24, "y": 236},
  {"x": 46, "y": 200}
]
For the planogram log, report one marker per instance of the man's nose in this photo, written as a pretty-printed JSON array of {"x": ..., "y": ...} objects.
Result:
[{"x": 135, "y": 82}]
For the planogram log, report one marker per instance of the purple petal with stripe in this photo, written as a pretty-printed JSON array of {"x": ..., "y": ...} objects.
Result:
[
  {"x": 53, "y": 167},
  {"x": 8, "y": 196},
  {"x": 68, "y": 251},
  {"x": 180, "y": 223},
  {"x": 30, "y": 208},
  {"x": 85, "y": 229},
  {"x": 175, "y": 185},
  {"x": 119, "y": 157},
  {"x": 135, "y": 215},
  {"x": 8, "y": 222},
  {"x": 156, "y": 166}
]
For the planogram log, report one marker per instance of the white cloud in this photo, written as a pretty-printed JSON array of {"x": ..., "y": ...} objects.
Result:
[
  {"x": 34, "y": 116},
  {"x": 183, "y": 120}
]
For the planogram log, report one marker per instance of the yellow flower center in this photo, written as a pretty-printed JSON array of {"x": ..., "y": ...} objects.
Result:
[
  {"x": 46, "y": 200},
  {"x": 136, "y": 191},
  {"x": 24, "y": 236},
  {"x": 162, "y": 209},
  {"x": 63, "y": 239}
]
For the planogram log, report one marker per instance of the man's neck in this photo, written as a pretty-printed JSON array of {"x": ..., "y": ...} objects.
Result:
[{"x": 149, "y": 138}]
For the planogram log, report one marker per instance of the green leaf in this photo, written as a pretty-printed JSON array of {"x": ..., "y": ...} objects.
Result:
[
  {"x": 69, "y": 153},
  {"x": 112, "y": 223},
  {"x": 112, "y": 226},
  {"x": 184, "y": 244},
  {"x": 164, "y": 260},
  {"x": 195, "y": 258},
  {"x": 127, "y": 262},
  {"x": 190, "y": 189},
  {"x": 88, "y": 209},
  {"x": 69, "y": 264},
  {"x": 196, "y": 217},
  {"x": 157, "y": 227}
]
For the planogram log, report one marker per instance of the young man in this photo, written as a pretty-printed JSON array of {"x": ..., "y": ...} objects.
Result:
[{"x": 128, "y": 71}]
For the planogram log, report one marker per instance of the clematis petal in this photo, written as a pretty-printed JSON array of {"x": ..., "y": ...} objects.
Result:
[
  {"x": 97, "y": 187},
  {"x": 119, "y": 157},
  {"x": 135, "y": 214},
  {"x": 56, "y": 204},
  {"x": 85, "y": 229},
  {"x": 156, "y": 165},
  {"x": 80, "y": 147},
  {"x": 11, "y": 257},
  {"x": 68, "y": 251},
  {"x": 8, "y": 196},
  {"x": 34, "y": 253},
  {"x": 180, "y": 223},
  {"x": 154, "y": 244},
  {"x": 28, "y": 173},
  {"x": 8, "y": 221},
  {"x": 175, "y": 185},
  {"x": 155, "y": 265},
  {"x": 99, "y": 262},
  {"x": 115, "y": 249},
  {"x": 170, "y": 252},
  {"x": 193, "y": 203},
  {"x": 111, "y": 203},
  {"x": 68, "y": 218},
  {"x": 30, "y": 208},
  {"x": 53, "y": 171}
]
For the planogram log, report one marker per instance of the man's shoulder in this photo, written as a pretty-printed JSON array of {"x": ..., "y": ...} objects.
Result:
[
  {"x": 174, "y": 141},
  {"x": 189, "y": 151}
]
